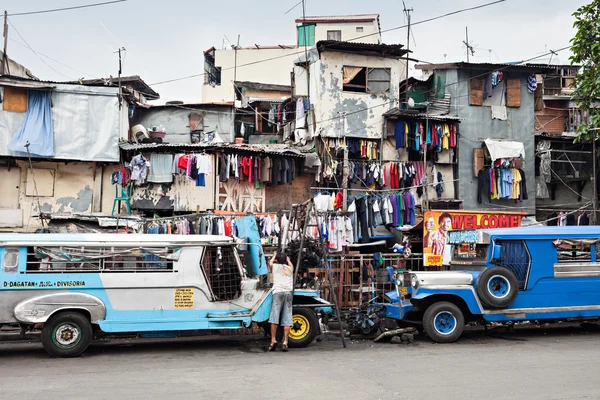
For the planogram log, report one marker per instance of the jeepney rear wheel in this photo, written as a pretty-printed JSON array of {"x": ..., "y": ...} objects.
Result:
[
  {"x": 304, "y": 329},
  {"x": 67, "y": 334},
  {"x": 444, "y": 322}
]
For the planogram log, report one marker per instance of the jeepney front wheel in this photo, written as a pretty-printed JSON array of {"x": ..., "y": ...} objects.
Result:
[
  {"x": 304, "y": 329},
  {"x": 67, "y": 334},
  {"x": 444, "y": 322}
]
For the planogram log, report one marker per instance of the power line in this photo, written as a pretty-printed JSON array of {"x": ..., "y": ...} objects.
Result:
[
  {"x": 55, "y": 60},
  {"x": 66, "y": 8},
  {"x": 297, "y": 4},
  {"x": 350, "y": 40},
  {"x": 34, "y": 52}
]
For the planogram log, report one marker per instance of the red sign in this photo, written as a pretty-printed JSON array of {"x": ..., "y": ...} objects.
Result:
[{"x": 437, "y": 224}]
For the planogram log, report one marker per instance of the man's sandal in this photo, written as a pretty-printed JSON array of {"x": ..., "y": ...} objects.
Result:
[{"x": 272, "y": 347}]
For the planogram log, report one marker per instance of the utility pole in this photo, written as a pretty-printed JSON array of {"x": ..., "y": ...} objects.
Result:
[
  {"x": 121, "y": 49},
  {"x": 4, "y": 65},
  {"x": 407, "y": 11},
  {"x": 470, "y": 48}
]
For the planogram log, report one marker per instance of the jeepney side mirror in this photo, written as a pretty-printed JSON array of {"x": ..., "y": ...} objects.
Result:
[{"x": 497, "y": 252}]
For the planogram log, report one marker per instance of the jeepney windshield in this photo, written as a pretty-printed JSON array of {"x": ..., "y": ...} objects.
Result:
[{"x": 469, "y": 247}]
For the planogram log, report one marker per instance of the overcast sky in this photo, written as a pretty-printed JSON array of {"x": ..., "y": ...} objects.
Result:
[{"x": 166, "y": 39}]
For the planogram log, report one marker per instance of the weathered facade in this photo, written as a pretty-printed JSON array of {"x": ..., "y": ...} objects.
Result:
[
  {"x": 74, "y": 133},
  {"x": 505, "y": 114},
  {"x": 352, "y": 85}
]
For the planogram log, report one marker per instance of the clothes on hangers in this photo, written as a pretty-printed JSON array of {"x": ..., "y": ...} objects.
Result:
[{"x": 502, "y": 182}]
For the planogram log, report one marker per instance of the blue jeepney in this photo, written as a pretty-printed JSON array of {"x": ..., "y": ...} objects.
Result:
[{"x": 531, "y": 274}]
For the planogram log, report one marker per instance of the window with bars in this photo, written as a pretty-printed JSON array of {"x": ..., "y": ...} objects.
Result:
[
  {"x": 516, "y": 258},
  {"x": 64, "y": 259},
  {"x": 222, "y": 272}
]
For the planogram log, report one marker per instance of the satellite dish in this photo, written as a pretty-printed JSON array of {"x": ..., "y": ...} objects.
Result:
[{"x": 411, "y": 102}]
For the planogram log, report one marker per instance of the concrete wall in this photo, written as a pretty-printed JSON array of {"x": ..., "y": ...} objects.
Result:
[
  {"x": 276, "y": 71},
  {"x": 478, "y": 125},
  {"x": 364, "y": 110},
  {"x": 370, "y": 33},
  {"x": 176, "y": 122},
  {"x": 62, "y": 188}
]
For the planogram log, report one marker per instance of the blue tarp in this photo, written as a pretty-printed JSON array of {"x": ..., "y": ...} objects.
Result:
[
  {"x": 255, "y": 259},
  {"x": 37, "y": 128}
]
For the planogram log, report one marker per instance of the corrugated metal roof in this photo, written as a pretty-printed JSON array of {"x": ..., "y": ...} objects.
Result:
[
  {"x": 338, "y": 18},
  {"x": 273, "y": 149},
  {"x": 397, "y": 113},
  {"x": 486, "y": 66}
]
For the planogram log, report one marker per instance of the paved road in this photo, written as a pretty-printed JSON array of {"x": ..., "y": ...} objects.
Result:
[{"x": 532, "y": 364}]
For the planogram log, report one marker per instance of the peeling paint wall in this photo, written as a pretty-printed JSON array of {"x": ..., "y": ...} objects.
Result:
[
  {"x": 73, "y": 191},
  {"x": 177, "y": 124},
  {"x": 364, "y": 119}
]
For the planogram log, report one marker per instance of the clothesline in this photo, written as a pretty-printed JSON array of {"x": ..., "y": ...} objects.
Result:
[
  {"x": 382, "y": 190},
  {"x": 213, "y": 214}
]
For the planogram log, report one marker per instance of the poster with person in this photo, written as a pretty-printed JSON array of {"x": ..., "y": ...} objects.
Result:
[{"x": 437, "y": 249}]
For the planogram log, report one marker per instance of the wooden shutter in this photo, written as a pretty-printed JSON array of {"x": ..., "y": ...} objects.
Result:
[
  {"x": 478, "y": 161},
  {"x": 476, "y": 87},
  {"x": 513, "y": 93},
  {"x": 15, "y": 99}
]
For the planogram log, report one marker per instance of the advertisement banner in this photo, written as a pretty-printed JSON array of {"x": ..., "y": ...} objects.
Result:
[{"x": 437, "y": 246}]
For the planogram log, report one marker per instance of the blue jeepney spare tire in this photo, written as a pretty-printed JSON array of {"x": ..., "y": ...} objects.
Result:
[{"x": 497, "y": 287}]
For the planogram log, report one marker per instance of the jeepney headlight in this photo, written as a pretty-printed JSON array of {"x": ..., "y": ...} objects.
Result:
[{"x": 414, "y": 281}]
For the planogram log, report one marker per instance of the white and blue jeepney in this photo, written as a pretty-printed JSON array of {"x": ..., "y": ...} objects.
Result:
[{"x": 74, "y": 286}]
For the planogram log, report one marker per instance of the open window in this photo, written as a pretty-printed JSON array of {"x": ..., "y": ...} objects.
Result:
[
  {"x": 11, "y": 260},
  {"x": 222, "y": 272},
  {"x": 575, "y": 250},
  {"x": 366, "y": 80},
  {"x": 63, "y": 259},
  {"x": 212, "y": 73}
]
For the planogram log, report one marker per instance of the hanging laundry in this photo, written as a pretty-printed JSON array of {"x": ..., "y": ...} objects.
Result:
[{"x": 532, "y": 83}]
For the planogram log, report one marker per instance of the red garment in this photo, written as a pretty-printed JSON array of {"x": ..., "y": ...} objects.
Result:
[
  {"x": 452, "y": 135},
  {"x": 394, "y": 176},
  {"x": 228, "y": 227},
  {"x": 247, "y": 167},
  {"x": 339, "y": 199},
  {"x": 182, "y": 163}
]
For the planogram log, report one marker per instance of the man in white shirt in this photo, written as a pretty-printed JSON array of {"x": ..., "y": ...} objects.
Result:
[{"x": 281, "y": 308}]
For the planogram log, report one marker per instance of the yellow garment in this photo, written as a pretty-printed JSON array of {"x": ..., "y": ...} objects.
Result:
[
  {"x": 516, "y": 183},
  {"x": 406, "y": 134},
  {"x": 369, "y": 148},
  {"x": 445, "y": 137}
]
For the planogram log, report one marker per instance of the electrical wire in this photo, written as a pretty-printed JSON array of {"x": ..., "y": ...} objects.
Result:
[
  {"x": 349, "y": 40},
  {"x": 66, "y": 8},
  {"x": 55, "y": 60},
  {"x": 34, "y": 52}
]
